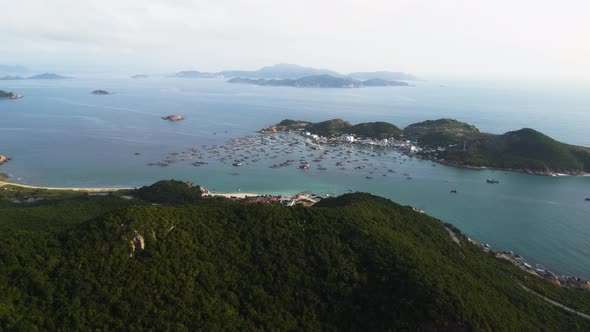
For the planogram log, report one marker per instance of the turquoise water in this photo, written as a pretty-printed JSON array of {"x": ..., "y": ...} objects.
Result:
[{"x": 61, "y": 135}]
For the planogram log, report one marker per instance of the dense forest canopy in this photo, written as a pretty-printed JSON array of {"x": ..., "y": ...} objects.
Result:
[{"x": 79, "y": 262}]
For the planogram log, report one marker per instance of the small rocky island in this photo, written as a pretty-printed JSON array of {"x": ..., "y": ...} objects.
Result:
[
  {"x": 10, "y": 95},
  {"x": 101, "y": 92},
  {"x": 173, "y": 118},
  {"x": 3, "y": 159}
]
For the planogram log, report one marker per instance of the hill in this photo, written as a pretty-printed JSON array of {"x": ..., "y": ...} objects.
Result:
[
  {"x": 525, "y": 149},
  {"x": 441, "y": 132},
  {"x": 357, "y": 262},
  {"x": 377, "y": 130},
  {"x": 4, "y": 94}
]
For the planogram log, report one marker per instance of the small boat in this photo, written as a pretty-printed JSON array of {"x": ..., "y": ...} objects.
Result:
[
  {"x": 587, "y": 199},
  {"x": 368, "y": 177},
  {"x": 237, "y": 164},
  {"x": 303, "y": 166},
  {"x": 492, "y": 181},
  {"x": 453, "y": 191}
]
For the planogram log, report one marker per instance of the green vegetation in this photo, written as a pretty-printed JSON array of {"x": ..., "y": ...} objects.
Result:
[
  {"x": 170, "y": 192},
  {"x": 524, "y": 149},
  {"x": 460, "y": 143},
  {"x": 329, "y": 128},
  {"x": 441, "y": 132},
  {"x": 356, "y": 262},
  {"x": 337, "y": 127},
  {"x": 377, "y": 130},
  {"x": 4, "y": 94}
]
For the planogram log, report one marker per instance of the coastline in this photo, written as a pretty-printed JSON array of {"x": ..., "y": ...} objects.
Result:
[
  {"x": 482, "y": 168},
  {"x": 5, "y": 183},
  {"x": 111, "y": 189}
]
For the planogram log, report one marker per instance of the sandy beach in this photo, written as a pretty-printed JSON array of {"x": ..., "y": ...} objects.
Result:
[
  {"x": 227, "y": 195},
  {"x": 4, "y": 183}
]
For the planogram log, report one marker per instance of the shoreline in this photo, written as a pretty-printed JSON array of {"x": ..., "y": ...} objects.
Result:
[
  {"x": 84, "y": 189},
  {"x": 486, "y": 168},
  {"x": 113, "y": 189}
]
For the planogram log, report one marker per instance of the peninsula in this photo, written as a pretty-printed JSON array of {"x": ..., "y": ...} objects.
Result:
[
  {"x": 319, "y": 81},
  {"x": 10, "y": 95},
  {"x": 455, "y": 143}
]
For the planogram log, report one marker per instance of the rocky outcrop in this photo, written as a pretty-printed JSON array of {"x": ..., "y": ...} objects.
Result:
[
  {"x": 101, "y": 92},
  {"x": 3, "y": 159},
  {"x": 137, "y": 243},
  {"x": 173, "y": 118}
]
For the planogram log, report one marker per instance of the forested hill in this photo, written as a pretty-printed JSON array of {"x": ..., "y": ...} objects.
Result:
[
  {"x": 461, "y": 144},
  {"x": 357, "y": 262}
]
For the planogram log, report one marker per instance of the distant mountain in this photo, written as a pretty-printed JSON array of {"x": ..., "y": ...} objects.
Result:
[
  {"x": 318, "y": 81},
  {"x": 11, "y": 78},
  {"x": 140, "y": 76},
  {"x": 280, "y": 71},
  {"x": 382, "y": 75},
  {"x": 194, "y": 74},
  {"x": 47, "y": 76}
]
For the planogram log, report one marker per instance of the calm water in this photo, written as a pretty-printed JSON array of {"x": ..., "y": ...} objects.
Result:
[{"x": 60, "y": 135}]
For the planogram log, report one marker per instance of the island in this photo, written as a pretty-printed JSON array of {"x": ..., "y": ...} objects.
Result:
[
  {"x": 454, "y": 143},
  {"x": 45, "y": 76},
  {"x": 101, "y": 92},
  {"x": 167, "y": 256},
  {"x": 292, "y": 71},
  {"x": 173, "y": 118},
  {"x": 318, "y": 81},
  {"x": 139, "y": 76},
  {"x": 10, "y": 95}
]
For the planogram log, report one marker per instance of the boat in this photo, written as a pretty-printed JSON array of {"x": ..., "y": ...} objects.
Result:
[
  {"x": 453, "y": 191},
  {"x": 587, "y": 199},
  {"x": 303, "y": 166},
  {"x": 492, "y": 181},
  {"x": 237, "y": 164}
]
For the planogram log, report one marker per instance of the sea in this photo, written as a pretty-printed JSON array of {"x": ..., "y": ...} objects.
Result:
[{"x": 61, "y": 135}]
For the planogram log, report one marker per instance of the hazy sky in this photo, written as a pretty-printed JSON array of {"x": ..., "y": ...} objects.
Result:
[{"x": 463, "y": 38}]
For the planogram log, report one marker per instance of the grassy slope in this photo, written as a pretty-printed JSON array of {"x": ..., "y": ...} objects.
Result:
[{"x": 357, "y": 262}]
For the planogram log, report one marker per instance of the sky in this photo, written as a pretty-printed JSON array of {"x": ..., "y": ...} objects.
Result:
[{"x": 436, "y": 38}]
